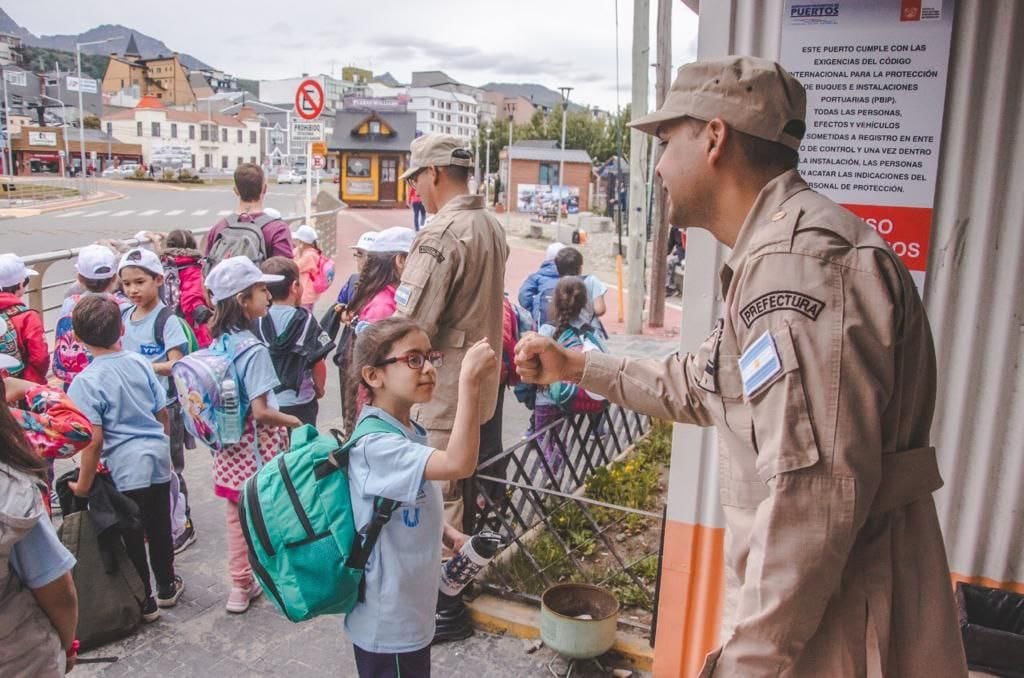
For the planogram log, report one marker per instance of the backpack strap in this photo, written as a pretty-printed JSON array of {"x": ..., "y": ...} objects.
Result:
[{"x": 265, "y": 330}]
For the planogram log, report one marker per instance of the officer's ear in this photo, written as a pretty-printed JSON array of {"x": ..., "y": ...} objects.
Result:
[{"x": 717, "y": 135}]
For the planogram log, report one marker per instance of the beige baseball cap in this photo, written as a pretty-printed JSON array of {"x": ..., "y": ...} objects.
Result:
[
  {"x": 437, "y": 150},
  {"x": 755, "y": 96}
]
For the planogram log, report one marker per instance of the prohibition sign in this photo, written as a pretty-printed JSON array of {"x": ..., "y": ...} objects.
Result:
[{"x": 309, "y": 100}]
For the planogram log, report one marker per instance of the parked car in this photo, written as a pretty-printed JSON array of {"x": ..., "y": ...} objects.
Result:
[{"x": 291, "y": 176}]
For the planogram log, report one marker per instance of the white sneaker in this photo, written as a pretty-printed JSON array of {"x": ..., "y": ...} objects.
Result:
[{"x": 239, "y": 599}]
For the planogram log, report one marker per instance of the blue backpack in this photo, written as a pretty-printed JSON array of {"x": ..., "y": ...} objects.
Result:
[{"x": 567, "y": 395}]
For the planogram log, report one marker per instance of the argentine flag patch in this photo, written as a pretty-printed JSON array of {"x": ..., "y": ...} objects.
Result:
[{"x": 758, "y": 364}]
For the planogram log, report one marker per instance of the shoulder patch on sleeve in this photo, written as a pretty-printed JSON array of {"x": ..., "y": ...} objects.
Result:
[
  {"x": 402, "y": 295},
  {"x": 781, "y": 300},
  {"x": 759, "y": 363},
  {"x": 433, "y": 252}
]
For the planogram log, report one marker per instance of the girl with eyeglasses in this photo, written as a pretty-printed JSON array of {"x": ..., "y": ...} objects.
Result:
[{"x": 392, "y": 629}]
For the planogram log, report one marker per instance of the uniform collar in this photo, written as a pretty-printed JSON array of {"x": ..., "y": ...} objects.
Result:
[
  {"x": 462, "y": 202},
  {"x": 765, "y": 209}
]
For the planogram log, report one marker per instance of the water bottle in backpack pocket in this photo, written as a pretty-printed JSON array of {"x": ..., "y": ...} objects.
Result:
[{"x": 211, "y": 394}]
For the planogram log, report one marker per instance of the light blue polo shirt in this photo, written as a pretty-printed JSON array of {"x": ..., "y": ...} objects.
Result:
[
  {"x": 120, "y": 392},
  {"x": 140, "y": 337},
  {"x": 404, "y": 569}
]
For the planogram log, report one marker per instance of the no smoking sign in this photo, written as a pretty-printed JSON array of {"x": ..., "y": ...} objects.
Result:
[{"x": 309, "y": 100}]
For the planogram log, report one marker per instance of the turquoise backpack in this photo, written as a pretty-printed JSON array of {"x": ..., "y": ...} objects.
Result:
[{"x": 296, "y": 516}]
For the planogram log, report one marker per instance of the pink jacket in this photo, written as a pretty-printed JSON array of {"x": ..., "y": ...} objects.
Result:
[
  {"x": 381, "y": 306},
  {"x": 307, "y": 263}
]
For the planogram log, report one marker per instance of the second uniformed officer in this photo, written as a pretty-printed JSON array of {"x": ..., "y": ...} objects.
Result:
[{"x": 820, "y": 379}]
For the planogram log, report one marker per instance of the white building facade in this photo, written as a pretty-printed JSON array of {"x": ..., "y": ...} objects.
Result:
[{"x": 443, "y": 111}]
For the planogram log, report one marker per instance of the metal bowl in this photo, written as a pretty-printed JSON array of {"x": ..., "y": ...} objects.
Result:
[{"x": 578, "y": 620}]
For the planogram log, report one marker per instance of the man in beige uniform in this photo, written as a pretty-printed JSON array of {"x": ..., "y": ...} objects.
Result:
[{"x": 820, "y": 380}]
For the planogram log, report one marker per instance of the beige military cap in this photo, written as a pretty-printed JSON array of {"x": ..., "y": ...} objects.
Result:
[
  {"x": 753, "y": 95},
  {"x": 437, "y": 150}
]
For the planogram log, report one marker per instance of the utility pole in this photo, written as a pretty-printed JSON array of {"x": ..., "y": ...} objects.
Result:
[
  {"x": 7, "y": 131},
  {"x": 638, "y": 168},
  {"x": 561, "y": 154},
  {"x": 662, "y": 75},
  {"x": 511, "y": 108}
]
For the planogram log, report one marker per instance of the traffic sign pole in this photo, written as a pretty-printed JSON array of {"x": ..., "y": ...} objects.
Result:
[{"x": 309, "y": 182}]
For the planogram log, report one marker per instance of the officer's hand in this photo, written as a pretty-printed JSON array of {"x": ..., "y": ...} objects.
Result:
[
  {"x": 478, "y": 362},
  {"x": 540, "y": 360}
]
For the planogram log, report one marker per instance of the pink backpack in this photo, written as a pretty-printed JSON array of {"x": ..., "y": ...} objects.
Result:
[{"x": 324, "y": 274}]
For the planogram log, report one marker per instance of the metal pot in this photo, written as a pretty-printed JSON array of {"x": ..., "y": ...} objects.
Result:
[{"x": 578, "y": 620}]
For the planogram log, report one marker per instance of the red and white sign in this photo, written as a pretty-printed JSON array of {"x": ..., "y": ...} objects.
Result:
[
  {"x": 319, "y": 162},
  {"x": 309, "y": 100},
  {"x": 875, "y": 74}
]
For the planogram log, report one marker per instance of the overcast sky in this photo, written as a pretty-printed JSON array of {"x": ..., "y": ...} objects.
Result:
[{"x": 550, "y": 42}]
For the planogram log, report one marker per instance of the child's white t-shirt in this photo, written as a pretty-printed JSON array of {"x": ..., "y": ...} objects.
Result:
[{"x": 404, "y": 569}]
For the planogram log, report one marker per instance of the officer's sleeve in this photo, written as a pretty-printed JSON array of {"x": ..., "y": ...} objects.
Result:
[
  {"x": 427, "y": 281},
  {"x": 667, "y": 389},
  {"x": 816, "y": 342}
]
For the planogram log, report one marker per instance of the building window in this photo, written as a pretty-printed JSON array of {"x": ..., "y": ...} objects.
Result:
[
  {"x": 174, "y": 130},
  {"x": 358, "y": 166},
  {"x": 192, "y": 133},
  {"x": 252, "y": 136},
  {"x": 224, "y": 137},
  {"x": 138, "y": 129},
  {"x": 239, "y": 136},
  {"x": 252, "y": 159},
  {"x": 548, "y": 174},
  {"x": 240, "y": 161},
  {"x": 193, "y": 161},
  {"x": 375, "y": 127},
  {"x": 110, "y": 128},
  {"x": 223, "y": 162},
  {"x": 207, "y": 158}
]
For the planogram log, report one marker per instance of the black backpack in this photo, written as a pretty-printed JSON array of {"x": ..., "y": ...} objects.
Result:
[
  {"x": 294, "y": 351},
  {"x": 239, "y": 238}
]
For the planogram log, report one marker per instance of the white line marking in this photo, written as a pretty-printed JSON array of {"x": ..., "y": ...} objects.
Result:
[
  {"x": 122, "y": 213},
  {"x": 199, "y": 213},
  {"x": 148, "y": 213},
  {"x": 70, "y": 214},
  {"x": 224, "y": 213},
  {"x": 98, "y": 213},
  {"x": 173, "y": 213}
]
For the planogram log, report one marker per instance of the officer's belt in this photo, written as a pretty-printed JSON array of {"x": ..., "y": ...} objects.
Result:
[{"x": 906, "y": 477}]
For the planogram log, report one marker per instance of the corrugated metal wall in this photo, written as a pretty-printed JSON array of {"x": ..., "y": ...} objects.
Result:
[
  {"x": 975, "y": 294},
  {"x": 975, "y": 287}
]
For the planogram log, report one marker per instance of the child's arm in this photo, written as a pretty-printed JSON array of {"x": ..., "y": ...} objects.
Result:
[
  {"x": 163, "y": 368},
  {"x": 320, "y": 378},
  {"x": 59, "y": 601},
  {"x": 264, "y": 414},
  {"x": 460, "y": 459},
  {"x": 90, "y": 460},
  {"x": 600, "y": 308}
]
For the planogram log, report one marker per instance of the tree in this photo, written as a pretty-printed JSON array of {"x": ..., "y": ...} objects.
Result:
[{"x": 91, "y": 122}]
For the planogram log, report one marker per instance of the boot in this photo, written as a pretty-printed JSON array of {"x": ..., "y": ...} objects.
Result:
[{"x": 452, "y": 619}]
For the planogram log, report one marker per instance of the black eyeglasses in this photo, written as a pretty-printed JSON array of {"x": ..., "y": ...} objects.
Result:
[{"x": 415, "y": 360}]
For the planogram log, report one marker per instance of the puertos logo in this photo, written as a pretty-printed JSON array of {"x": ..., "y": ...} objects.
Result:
[{"x": 814, "y": 13}]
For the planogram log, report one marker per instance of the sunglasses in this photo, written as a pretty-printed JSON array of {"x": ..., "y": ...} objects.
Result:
[{"x": 415, "y": 360}]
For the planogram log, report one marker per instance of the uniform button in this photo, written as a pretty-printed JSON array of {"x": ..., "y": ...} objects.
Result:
[{"x": 778, "y": 215}]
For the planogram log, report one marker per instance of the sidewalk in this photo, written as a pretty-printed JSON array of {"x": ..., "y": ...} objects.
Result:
[{"x": 198, "y": 638}]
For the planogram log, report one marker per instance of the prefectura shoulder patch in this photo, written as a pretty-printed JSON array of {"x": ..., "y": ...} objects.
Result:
[
  {"x": 426, "y": 249},
  {"x": 781, "y": 300}
]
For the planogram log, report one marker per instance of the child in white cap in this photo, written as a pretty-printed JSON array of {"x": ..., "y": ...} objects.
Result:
[
  {"x": 239, "y": 290},
  {"x": 21, "y": 329},
  {"x": 308, "y": 258},
  {"x": 359, "y": 251}
]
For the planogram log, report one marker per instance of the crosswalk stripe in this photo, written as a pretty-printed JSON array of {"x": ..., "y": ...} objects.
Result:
[
  {"x": 65, "y": 215},
  {"x": 199, "y": 213},
  {"x": 174, "y": 213},
  {"x": 148, "y": 213},
  {"x": 223, "y": 213},
  {"x": 97, "y": 213},
  {"x": 122, "y": 213}
]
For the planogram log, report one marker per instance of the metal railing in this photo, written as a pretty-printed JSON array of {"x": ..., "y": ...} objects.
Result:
[
  {"x": 537, "y": 494},
  {"x": 323, "y": 221}
]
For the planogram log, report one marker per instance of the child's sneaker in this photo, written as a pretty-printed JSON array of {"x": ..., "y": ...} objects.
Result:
[
  {"x": 150, "y": 610},
  {"x": 239, "y": 598},
  {"x": 167, "y": 596},
  {"x": 185, "y": 539}
]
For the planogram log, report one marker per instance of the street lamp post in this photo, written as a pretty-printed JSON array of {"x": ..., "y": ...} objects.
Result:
[
  {"x": 64, "y": 114},
  {"x": 561, "y": 160},
  {"x": 511, "y": 109},
  {"x": 81, "y": 106},
  {"x": 487, "y": 172}
]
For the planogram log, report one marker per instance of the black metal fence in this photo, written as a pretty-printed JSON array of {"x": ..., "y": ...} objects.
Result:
[{"x": 542, "y": 495}]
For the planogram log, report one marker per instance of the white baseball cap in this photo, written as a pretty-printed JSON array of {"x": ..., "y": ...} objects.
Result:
[
  {"x": 305, "y": 233},
  {"x": 235, "y": 275},
  {"x": 365, "y": 241},
  {"x": 553, "y": 250},
  {"x": 13, "y": 270},
  {"x": 9, "y": 362},
  {"x": 394, "y": 239},
  {"x": 96, "y": 262},
  {"x": 143, "y": 258}
]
